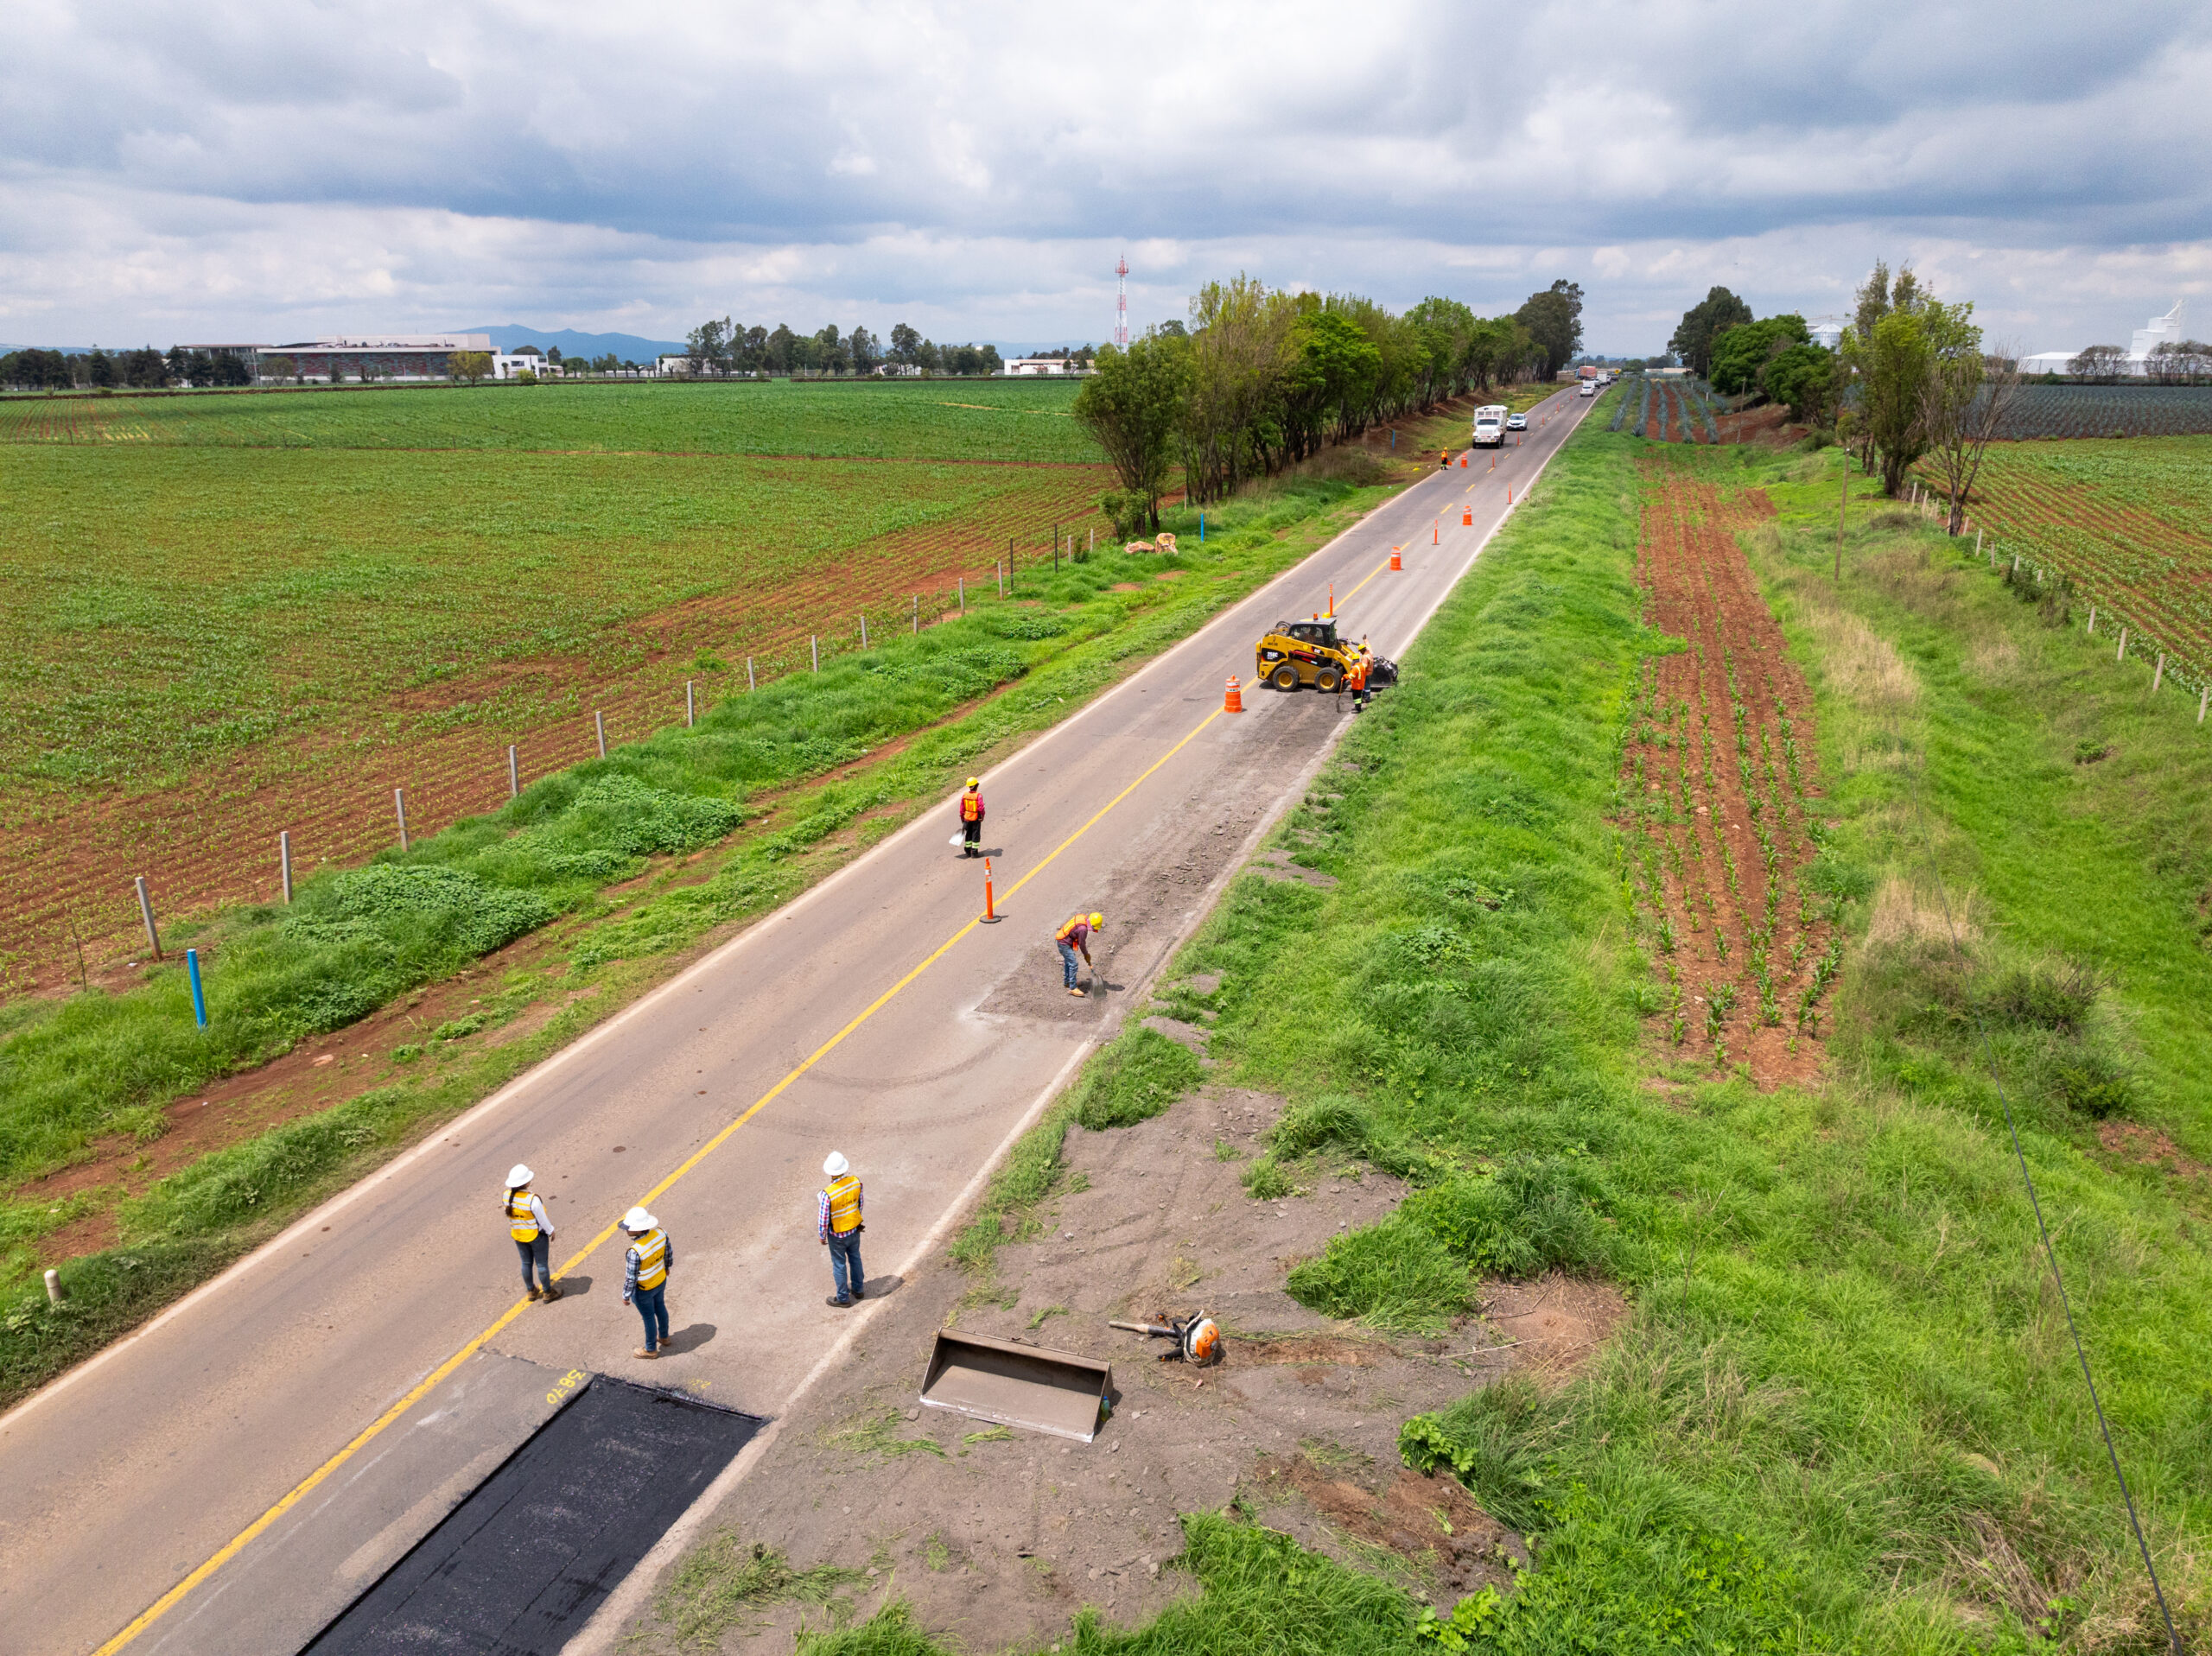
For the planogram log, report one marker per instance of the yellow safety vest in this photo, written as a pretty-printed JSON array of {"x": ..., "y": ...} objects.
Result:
[
  {"x": 844, "y": 1205},
  {"x": 522, "y": 1223},
  {"x": 651, "y": 1250}
]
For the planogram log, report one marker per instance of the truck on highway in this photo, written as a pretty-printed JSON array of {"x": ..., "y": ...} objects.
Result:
[{"x": 1489, "y": 426}]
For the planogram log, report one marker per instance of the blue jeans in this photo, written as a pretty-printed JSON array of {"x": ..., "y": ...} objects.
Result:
[
  {"x": 1067, "y": 962},
  {"x": 538, "y": 1253},
  {"x": 652, "y": 1305},
  {"x": 845, "y": 1264}
]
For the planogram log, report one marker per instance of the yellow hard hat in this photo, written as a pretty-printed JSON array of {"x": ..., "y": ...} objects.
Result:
[
  {"x": 975, "y": 781},
  {"x": 1097, "y": 921}
]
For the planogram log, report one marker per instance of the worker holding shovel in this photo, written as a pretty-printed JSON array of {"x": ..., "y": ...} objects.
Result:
[{"x": 1073, "y": 937}]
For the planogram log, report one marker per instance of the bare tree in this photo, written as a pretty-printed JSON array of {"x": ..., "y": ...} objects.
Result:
[
  {"x": 1964, "y": 403},
  {"x": 2098, "y": 362}
]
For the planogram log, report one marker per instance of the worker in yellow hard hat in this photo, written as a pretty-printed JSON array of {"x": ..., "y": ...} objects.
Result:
[
  {"x": 971, "y": 819},
  {"x": 1074, "y": 936}
]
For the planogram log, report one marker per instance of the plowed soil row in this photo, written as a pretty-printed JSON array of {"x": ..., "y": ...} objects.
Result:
[
  {"x": 1717, "y": 768},
  {"x": 212, "y": 840}
]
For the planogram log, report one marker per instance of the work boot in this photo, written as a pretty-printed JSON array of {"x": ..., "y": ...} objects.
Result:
[
  {"x": 550, "y": 1295},
  {"x": 859, "y": 1292},
  {"x": 1077, "y": 992},
  {"x": 645, "y": 1351},
  {"x": 534, "y": 1294},
  {"x": 841, "y": 1304}
]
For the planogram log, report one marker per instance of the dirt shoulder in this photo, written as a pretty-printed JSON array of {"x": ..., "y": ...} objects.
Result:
[{"x": 999, "y": 1537}]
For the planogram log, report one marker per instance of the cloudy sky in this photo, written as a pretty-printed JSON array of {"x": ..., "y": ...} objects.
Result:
[{"x": 252, "y": 170}]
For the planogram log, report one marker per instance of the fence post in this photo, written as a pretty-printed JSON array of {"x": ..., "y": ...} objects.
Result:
[
  {"x": 963, "y": 585},
  {"x": 999, "y": 569},
  {"x": 2121, "y": 653},
  {"x": 284, "y": 861},
  {"x": 399, "y": 808},
  {"x": 1977, "y": 543},
  {"x": 2203, "y": 696},
  {"x": 918, "y": 615},
  {"x": 749, "y": 684},
  {"x": 598, "y": 724},
  {"x": 690, "y": 708},
  {"x": 514, "y": 774},
  {"x": 199, "y": 996},
  {"x": 863, "y": 629},
  {"x": 2159, "y": 673},
  {"x": 146, "y": 913},
  {"x": 814, "y": 642}
]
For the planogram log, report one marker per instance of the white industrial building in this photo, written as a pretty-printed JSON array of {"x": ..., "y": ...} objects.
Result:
[
  {"x": 2160, "y": 330},
  {"x": 382, "y": 356},
  {"x": 1041, "y": 365}
]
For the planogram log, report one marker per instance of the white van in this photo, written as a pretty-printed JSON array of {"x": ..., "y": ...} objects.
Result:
[{"x": 1489, "y": 426}]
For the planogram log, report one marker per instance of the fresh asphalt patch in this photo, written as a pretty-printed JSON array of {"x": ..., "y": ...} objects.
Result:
[{"x": 519, "y": 1568}]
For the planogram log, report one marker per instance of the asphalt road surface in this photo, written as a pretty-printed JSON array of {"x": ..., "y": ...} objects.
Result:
[{"x": 871, "y": 1016}]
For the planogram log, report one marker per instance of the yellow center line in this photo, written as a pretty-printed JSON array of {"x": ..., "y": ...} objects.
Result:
[{"x": 168, "y": 1601}]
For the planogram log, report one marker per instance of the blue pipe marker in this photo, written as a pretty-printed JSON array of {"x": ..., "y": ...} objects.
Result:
[
  {"x": 1202, "y": 529},
  {"x": 199, "y": 996}
]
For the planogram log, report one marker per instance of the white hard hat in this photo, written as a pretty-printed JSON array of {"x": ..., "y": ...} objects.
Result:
[
  {"x": 518, "y": 1175},
  {"x": 837, "y": 1167},
  {"x": 638, "y": 1219}
]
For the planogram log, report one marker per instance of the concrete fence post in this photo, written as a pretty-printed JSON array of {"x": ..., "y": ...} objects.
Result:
[
  {"x": 599, "y": 725},
  {"x": 54, "y": 1287},
  {"x": 2093, "y": 620},
  {"x": 918, "y": 615},
  {"x": 999, "y": 569},
  {"x": 814, "y": 642},
  {"x": 2203, "y": 696},
  {"x": 2120, "y": 654},
  {"x": 2159, "y": 673},
  {"x": 749, "y": 684},
  {"x": 514, "y": 774},
  {"x": 863, "y": 630},
  {"x": 284, "y": 861},
  {"x": 146, "y": 913},
  {"x": 399, "y": 810},
  {"x": 962, "y": 584},
  {"x": 691, "y": 706},
  {"x": 1977, "y": 543}
]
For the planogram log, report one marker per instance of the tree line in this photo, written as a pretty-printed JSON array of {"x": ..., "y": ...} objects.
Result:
[
  {"x": 721, "y": 347},
  {"x": 2170, "y": 362},
  {"x": 145, "y": 369},
  {"x": 1260, "y": 378}
]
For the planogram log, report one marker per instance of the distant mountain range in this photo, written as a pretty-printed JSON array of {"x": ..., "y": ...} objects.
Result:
[{"x": 628, "y": 347}]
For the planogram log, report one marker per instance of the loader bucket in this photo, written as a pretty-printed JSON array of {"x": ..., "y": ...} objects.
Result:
[{"x": 1017, "y": 1384}]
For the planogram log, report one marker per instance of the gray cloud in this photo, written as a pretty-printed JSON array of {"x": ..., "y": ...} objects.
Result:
[{"x": 169, "y": 171}]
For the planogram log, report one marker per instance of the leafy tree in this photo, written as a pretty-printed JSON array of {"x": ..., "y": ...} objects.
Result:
[
  {"x": 1553, "y": 319},
  {"x": 1741, "y": 352},
  {"x": 2098, "y": 362},
  {"x": 779, "y": 351},
  {"x": 706, "y": 347},
  {"x": 1963, "y": 400},
  {"x": 1803, "y": 376},
  {"x": 279, "y": 368},
  {"x": 906, "y": 345},
  {"x": 1134, "y": 405},
  {"x": 471, "y": 365},
  {"x": 864, "y": 349},
  {"x": 1891, "y": 369},
  {"x": 1701, "y": 323}
]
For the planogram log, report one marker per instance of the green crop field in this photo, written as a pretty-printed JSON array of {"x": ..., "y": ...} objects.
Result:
[
  {"x": 950, "y": 419},
  {"x": 225, "y": 615},
  {"x": 2124, "y": 521}
]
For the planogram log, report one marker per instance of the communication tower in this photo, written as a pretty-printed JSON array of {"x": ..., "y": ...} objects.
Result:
[{"x": 1122, "y": 303}]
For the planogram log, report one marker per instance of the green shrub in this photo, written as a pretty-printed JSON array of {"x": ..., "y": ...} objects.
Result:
[
  {"x": 1135, "y": 1078},
  {"x": 1394, "y": 1275},
  {"x": 1531, "y": 1215}
]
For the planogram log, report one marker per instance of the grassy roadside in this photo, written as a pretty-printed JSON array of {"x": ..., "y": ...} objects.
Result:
[
  {"x": 75, "y": 1074},
  {"x": 1843, "y": 1414}
]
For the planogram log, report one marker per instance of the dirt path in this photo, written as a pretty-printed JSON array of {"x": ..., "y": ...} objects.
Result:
[
  {"x": 998, "y": 1538},
  {"x": 1719, "y": 765}
]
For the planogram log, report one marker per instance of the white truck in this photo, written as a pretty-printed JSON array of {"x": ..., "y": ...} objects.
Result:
[{"x": 1489, "y": 426}]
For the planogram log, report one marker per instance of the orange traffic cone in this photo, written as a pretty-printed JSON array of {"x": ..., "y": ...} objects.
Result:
[
  {"x": 1508, "y": 494},
  {"x": 1234, "y": 701},
  {"x": 1436, "y": 533},
  {"x": 990, "y": 906},
  {"x": 1395, "y": 564},
  {"x": 1467, "y": 517}
]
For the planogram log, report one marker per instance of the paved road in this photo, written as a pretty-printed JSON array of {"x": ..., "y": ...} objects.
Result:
[{"x": 129, "y": 1474}]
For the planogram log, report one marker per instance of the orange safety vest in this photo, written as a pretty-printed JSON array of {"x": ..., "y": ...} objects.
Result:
[
  {"x": 844, "y": 1205},
  {"x": 971, "y": 808},
  {"x": 1067, "y": 932},
  {"x": 522, "y": 1223}
]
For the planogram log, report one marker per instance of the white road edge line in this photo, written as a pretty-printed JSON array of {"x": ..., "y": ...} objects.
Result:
[
  {"x": 599, "y": 1634},
  {"x": 308, "y": 1224}
]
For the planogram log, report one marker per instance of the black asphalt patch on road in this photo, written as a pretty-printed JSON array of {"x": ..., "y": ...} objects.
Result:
[{"x": 519, "y": 1567}]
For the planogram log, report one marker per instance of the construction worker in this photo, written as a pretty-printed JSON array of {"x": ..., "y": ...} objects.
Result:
[
  {"x": 645, "y": 1266},
  {"x": 838, "y": 1224},
  {"x": 532, "y": 1231},
  {"x": 1444, "y": 458},
  {"x": 1356, "y": 679},
  {"x": 1072, "y": 936},
  {"x": 971, "y": 819}
]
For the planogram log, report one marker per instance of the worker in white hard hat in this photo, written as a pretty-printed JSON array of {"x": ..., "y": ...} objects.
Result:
[
  {"x": 837, "y": 1222},
  {"x": 532, "y": 1231},
  {"x": 645, "y": 1277}
]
